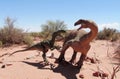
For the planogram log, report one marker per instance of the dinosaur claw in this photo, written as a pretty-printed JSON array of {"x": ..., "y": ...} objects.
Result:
[
  {"x": 57, "y": 61},
  {"x": 46, "y": 63}
]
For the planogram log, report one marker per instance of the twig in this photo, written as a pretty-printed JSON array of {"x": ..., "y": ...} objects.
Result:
[
  {"x": 115, "y": 70},
  {"x": 4, "y": 54}
]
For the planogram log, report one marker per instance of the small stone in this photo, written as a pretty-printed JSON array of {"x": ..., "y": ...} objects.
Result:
[
  {"x": 1, "y": 62},
  {"x": 104, "y": 75},
  {"x": 96, "y": 74},
  {"x": 8, "y": 64},
  {"x": 3, "y": 66},
  {"x": 81, "y": 76}
]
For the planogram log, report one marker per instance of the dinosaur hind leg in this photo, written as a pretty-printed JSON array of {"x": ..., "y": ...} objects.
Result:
[
  {"x": 73, "y": 59},
  {"x": 44, "y": 58}
]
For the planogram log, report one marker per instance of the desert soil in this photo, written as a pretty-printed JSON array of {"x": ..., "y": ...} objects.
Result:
[{"x": 28, "y": 65}]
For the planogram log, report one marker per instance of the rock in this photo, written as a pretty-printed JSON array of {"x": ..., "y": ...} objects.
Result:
[
  {"x": 3, "y": 66},
  {"x": 81, "y": 76},
  {"x": 100, "y": 74},
  {"x": 8, "y": 64}
]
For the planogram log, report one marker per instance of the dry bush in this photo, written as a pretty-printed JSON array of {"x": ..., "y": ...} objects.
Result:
[
  {"x": 116, "y": 69},
  {"x": 9, "y": 34},
  {"x": 115, "y": 66},
  {"x": 36, "y": 34},
  {"x": 108, "y": 34},
  {"x": 116, "y": 58},
  {"x": 117, "y": 54},
  {"x": 51, "y": 26},
  {"x": 0, "y": 43},
  {"x": 27, "y": 39}
]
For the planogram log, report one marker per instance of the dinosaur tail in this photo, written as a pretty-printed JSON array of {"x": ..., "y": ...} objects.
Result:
[{"x": 30, "y": 48}]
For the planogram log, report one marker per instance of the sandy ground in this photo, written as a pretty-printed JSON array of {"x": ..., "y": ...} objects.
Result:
[{"x": 27, "y": 65}]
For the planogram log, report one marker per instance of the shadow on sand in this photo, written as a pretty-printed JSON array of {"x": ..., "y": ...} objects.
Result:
[
  {"x": 68, "y": 71},
  {"x": 39, "y": 65}
]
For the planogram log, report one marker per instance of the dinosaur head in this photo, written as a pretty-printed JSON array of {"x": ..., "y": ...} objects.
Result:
[
  {"x": 57, "y": 33},
  {"x": 54, "y": 35},
  {"x": 81, "y": 21}
]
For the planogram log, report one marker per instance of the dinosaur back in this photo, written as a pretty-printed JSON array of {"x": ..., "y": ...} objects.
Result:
[{"x": 75, "y": 35}]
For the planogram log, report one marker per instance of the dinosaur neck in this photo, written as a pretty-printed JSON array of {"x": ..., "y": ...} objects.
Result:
[
  {"x": 52, "y": 41},
  {"x": 91, "y": 35},
  {"x": 93, "y": 32}
]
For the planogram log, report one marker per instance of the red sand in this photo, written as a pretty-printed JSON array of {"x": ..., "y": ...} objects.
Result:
[{"x": 26, "y": 65}]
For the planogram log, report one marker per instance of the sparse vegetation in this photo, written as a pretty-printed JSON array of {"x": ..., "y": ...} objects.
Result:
[
  {"x": 116, "y": 69},
  {"x": 27, "y": 39},
  {"x": 108, "y": 34},
  {"x": 117, "y": 54},
  {"x": 51, "y": 26},
  {"x": 36, "y": 34},
  {"x": 9, "y": 34},
  {"x": 0, "y": 43}
]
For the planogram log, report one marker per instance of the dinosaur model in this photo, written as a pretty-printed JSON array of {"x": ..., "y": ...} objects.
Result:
[
  {"x": 79, "y": 42},
  {"x": 43, "y": 46}
]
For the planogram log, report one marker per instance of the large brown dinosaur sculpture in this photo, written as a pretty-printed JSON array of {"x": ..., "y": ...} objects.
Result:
[
  {"x": 79, "y": 42},
  {"x": 43, "y": 46}
]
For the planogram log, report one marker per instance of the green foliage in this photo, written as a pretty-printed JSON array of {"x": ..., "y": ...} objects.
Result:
[
  {"x": 0, "y": 43},
  {"x": 28, "y": 40},
  {"x": 35, "y": 34},
  {"x": 51, "y": 26},
  {"x": 108, "y": 34},
  {"x": 9, "y": 34}
]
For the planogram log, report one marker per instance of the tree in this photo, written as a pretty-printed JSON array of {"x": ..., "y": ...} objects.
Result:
[
  {"x": 9, "y": 34},
  {"x": 52, "y": 26}
]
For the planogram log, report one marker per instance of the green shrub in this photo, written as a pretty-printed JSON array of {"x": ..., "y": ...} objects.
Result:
[
  {"x": 0, "y": 43},
  {"x": 9, "y": 34},
  {"x": 28, "y": 40},
  {"x": 108, "y": 34},
  {"x": 35, "y": 34},
  {"x": 51, "y": 26}
]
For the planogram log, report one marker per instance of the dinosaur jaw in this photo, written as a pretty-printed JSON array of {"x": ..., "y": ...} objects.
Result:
[
  {"x": 80, "y": 27},
  {"x": 77, "y": 23}
]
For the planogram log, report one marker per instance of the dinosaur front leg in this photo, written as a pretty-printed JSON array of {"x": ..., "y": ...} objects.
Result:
[
  {"x": 44, "y": 58},
  {"x": 61, "y": 57},
  {"x": 80, "y": 62},
  {"x": 83, "y": 55},
  {"x": 73, "y": 59}
]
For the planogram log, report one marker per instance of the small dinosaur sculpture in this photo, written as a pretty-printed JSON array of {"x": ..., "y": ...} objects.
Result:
[
  {"x": 43, "y": 46},
  {"x": 79, "y": 43}
]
